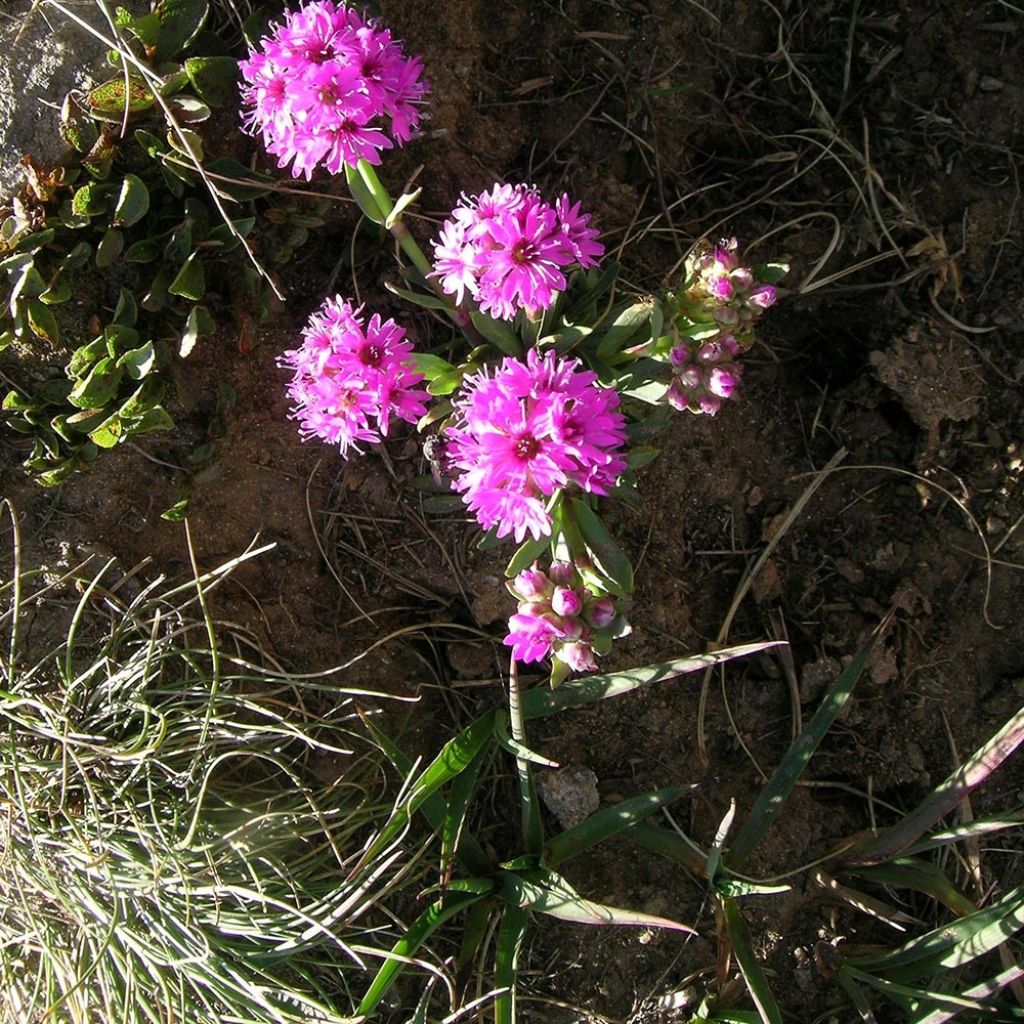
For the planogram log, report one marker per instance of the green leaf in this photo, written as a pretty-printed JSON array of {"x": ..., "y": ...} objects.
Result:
[
  {"x": 455, "y": 756},
  {"x": 119, "y": 339},
  {"x": 507, "y": 947},
  {"x": 199, "y": 322},
  {"x": 551, "y": 894},
  {"x": 459, "y": 796},
  {"x": 497, "y": 333},
  {"x": 139, "y": 361},
  {"x": 186, "y": 142},
  {"x": 177, "y": 512},
  {"x": 428, "y": 365},
  {"x": 625, "y": 325},
  {"x": 214, "y": 79},
  {"x": 922, "y": 876},
  {"x": 363, "y": 196},
  {"x": 753, "y": 975},
  {"x": 57, "y": 291},
  {"x": 85, "y": 355},
  {"x": 144, "y": 398},
  {"x": 401, "y": 205},
  {"x": 143, "y": 251},
  {"x": 928, "y": 1013},
  {"x": 77, "y": 129},
  {"x": 538, "y": 702},
  {"x": 944, "y": 798},
  {"x": 424, "y": 926},
  {"x": 144, "y": 28},
  {"x": 108, "y": 101},
  {"x": 98, "y": 387},
  {"x": 89, "y": 200},
  {"x": 127, "y": 311},
  {"x": 445, "y": 383},
  {"x": 156, "y": 418},
  {"x": 190, "y": 282},
  {"x": 180, "y": 22},
  {"x": 608, "y": 822},
  {"x": 187, "y": 110},
  {"x": 513, "y": 746},
  {"x": 609, "y": 561},
  {"x": 132, "y": 202},
  {"x": 424, "y": 299},
  {"x": 776, "y": 791},
  {"x": 951, "y": 945},
  {"x": 110, "y": 248},
  {"x": 527, "y": 553},
  {"x": 42, "y": 322},
  {"x": 108, "y": 433}
]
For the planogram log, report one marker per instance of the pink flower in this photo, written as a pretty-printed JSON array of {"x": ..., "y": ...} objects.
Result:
[
  {"x": 528, "y": 431},
  {"x": 350, "y": 378},
  {"x": 564, "y": 623},
  {"x": 509, "y": 249},
  {"x": 329, "y": 88},
  {"x": 701, "y": 380}
]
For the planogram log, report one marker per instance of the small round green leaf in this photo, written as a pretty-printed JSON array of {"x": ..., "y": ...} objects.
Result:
[{"x": 132, "y": 202}]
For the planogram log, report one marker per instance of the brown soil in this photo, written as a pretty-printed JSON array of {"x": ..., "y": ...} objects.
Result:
[{"x": 879, "y": 150}]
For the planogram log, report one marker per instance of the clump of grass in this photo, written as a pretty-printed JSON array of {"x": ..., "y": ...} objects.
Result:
[{"x": 181, "y": 830}]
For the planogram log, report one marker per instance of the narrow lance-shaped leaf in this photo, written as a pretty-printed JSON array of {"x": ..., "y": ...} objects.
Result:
[
  {"x": 538, "y": 702},
  {"x": 944, "y": 798},
  {"x": 608, "y": 822},
  {"x": 506, "y": 962},
  {"x": 753, "y": 974},
  {"x": 776, "y": 791}
]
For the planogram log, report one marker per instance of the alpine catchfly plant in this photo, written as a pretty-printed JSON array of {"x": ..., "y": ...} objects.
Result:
[
  {"x": 329, "y": 87},
  {"x": 351, "y": 377},
  {"x": 509, "y": 249},
  {"x": 525, "y": 432}
]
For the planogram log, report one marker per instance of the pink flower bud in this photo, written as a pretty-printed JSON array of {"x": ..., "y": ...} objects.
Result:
[
  {"x": 690, "y": 378},
  {"x": 572, "y": 629},
  {"x": 723, "y": 380},
  {"x": 742, "y": 279},
  {"x": 561, "y": 573},
  {"x": 721, "y": 288},
  {"x": 677, "y": 397},
  {"x": 726, "y": 253},
  {"x": 532, "y": 585},
  {"x": 710, "y": 404},
  {"x": 577, "y": 655},
  {"x": 566, "y": 602},
  {"x": 599, "y": 612},
  {"x": 679, "y": 355},
  {"x": 726, "y": 316},
  {"x": 762, "y": 297}
]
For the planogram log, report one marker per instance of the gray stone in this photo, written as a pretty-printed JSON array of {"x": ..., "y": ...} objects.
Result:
[{"x": 43, "y": 56}]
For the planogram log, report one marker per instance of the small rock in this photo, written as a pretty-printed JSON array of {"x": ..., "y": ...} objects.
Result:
[{"x": 570, "y": 795}]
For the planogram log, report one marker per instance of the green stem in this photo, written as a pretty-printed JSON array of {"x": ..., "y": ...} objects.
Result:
[{"x": 398, "y": 230}]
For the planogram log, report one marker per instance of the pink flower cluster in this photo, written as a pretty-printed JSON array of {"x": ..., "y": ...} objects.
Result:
[
  {"x": 509, "y": 249},
  {"x": 727, "y": 291},
  {"x": 321, "y": 85},
  {"x": 702, "y": 379},
  {"x": 526, "y": 432},
  {"x": 557, "y": 616},
  {"x": 351, "y": 378}
]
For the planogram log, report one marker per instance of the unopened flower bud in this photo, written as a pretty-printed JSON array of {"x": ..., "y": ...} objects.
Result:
[
  {"x": 690, "y": 378},
  {"x": 532, "y": 585},
  {"x": 572, "y": 628},
  {"x": 723, "y": 380},
  {"x": 565, "y": 601},
  {"x": 762, "y": 297},
  {"x": 677, "y": 397},
  {"x": 561, "y": 573},
  {"x": 577, "y": 655},
  {"x": 710, "y": 404},
  {"x": 742, "y": 279},
  {"x": 726, "y": 316},
  {"x": 599, "y": 612},
  {"x": 721, "y": 288},
  {"x": 679, "y": 355}
]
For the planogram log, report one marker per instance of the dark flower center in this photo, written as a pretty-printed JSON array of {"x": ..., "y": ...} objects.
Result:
[
  {"x": 522, "y": 252},
  {"x": 526, "y": 446},
  {"x": 371, "y": 355}
]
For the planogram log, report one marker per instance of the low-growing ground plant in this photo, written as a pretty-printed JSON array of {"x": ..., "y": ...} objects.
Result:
[{"x": 187, "y": 829}]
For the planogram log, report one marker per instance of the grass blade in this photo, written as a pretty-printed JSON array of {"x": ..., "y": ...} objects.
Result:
[
  {"x": 968, "y": 830},
  {"x": 671, "y": 845},
  {"x": 929, "y": 1014},
  {"x": 506, "y": 963},
  {"x": 953, "y": 944},
  {"x": 553, "y": 895},
  {"x": 421, "y": 929},
  {"x": 944, "y": 798},
  {"x": 609, "y": 822},
  {"x": 529, "y": 802},
  {"x": 776, "y": 791},
  {"x": 538, "y": 702},
  {"x": 459, "y": 796},
  {"x": 922, "y": 876},
  {"x": 756, "y": 982},
  {"x": 908, "y": 997}
]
